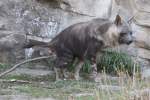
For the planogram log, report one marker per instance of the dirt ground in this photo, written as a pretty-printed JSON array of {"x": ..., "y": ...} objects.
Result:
[{"x": 38, "y": 84}]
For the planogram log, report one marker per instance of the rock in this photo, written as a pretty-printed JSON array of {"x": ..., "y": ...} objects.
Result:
[
  {"x": 141, "y": 35},
  {"x": 22, "y": 97},
  {"x": 142, "y": 19},
  {"x": 146, "y": 73},
  {"x": 32, "y": 72},
  {"x": 142, "y": 5},
  {"x": 43, "y": 19},
  {"x": 97, "y": 8},
  {"x": 11, "y": 40},
  {"x": 14, "y": 97}
]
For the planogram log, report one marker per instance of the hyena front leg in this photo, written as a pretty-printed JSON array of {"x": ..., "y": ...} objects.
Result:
[
  {"x": 77, "y": 70},
  {"x": 93, "y": 72},
  {"x": 60, "y": 65},
  {"x": 64, "y": 57}
]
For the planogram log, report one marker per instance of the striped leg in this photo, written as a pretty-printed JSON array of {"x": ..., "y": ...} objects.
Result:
[{"x": 77, "y": 70}]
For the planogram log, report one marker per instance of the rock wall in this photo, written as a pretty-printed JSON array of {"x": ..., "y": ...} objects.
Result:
[{"x": 43, "y": 19}]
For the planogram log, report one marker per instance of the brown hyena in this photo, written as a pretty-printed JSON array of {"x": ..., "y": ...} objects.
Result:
[{"x": 83, "y": 41}]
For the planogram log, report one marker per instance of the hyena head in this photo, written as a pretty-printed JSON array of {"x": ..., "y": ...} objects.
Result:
[{"x": 120, "y": 32}]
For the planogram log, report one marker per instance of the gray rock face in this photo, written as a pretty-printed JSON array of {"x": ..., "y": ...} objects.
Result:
[
  {"x": 96, "y": 8},
  {"x": 11, "y": 40},
  {"x": 20, "y": 18},
  {"x": 46, "y": 18}
]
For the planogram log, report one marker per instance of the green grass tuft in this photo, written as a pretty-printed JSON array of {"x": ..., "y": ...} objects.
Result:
[
  {"x": 113, "y": 62},
  {"x": 4, "y": 66}
]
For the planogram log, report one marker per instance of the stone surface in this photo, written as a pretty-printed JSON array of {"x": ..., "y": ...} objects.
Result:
[
  {"x": 11, "y": 40},
  {"x": 41, "y": 20},
  {"x": 32, "y": 72},
  {"x": 142, "y": 19},
  {"x": 21, "y": 97},
  {"x": 96, "y": 8},
  {"x": 143, "y": 5}
]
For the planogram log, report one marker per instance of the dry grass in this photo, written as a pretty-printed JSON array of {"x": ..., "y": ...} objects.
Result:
[{"x": 123, "y": 87}]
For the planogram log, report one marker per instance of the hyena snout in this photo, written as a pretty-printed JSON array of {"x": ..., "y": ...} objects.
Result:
[
  {"x": 130, "y": 42},
  {"x": 126, "y": 38}
]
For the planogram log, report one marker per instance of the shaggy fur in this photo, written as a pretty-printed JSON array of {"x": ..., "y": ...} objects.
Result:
[{"x": 83, "y": 40}]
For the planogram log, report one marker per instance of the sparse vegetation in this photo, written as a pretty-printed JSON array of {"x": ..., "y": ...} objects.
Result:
[
  {"x": 29, "y": 78},
  {"x": 125, "y": 89},
  {"x": 4, "y": 66},
  {"x": 120, "y": 87},
  {"x": 112, "y": 61}
]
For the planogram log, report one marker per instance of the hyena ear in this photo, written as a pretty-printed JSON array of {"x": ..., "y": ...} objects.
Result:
[{"x": 118, "y": 20}]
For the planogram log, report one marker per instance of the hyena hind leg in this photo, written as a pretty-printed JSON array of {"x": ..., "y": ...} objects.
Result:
[
  {"x": 60, "y": 70},
  {"x": 61, "y": 74},
  {"x": 65, "y": 73},
  {"x": 57, "y": 73},
  {"x": 93, "y": 72},
  {"x": 77, "y": 70}
]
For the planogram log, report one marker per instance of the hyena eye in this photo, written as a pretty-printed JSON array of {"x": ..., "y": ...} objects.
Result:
[{"x": 131, "y": 33}]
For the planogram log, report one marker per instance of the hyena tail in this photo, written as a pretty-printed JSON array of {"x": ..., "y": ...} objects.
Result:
[{"x": 38, "y": 42}]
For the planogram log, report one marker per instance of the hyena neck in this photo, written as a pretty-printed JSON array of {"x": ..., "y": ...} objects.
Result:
[{"x": 111, "y": 36}]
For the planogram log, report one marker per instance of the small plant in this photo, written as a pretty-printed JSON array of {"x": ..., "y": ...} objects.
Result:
[
  {"x": 85, "y": 68},
  {"x": 113, "y": 62},
  {"x": 3, "y": 66}
]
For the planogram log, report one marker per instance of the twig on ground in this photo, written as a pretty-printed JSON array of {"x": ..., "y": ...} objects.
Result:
[
  {"x": 26, "y": 61},
  {"x": 14, "y": 80}
]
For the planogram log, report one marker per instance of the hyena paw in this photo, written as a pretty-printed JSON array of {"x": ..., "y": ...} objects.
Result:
[
  {"x": 58, "y": 79},
  {"x": 92, "y": 77},
  {"x": 77, "y": 77},
  {"x": 93, "y": 73}
]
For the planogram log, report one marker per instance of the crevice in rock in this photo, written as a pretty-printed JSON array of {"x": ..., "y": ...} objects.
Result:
[{"x": 62, "y": 5}]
